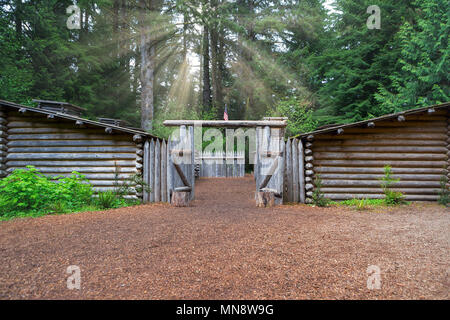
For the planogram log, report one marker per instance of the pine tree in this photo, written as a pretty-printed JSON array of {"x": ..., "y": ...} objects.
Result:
[{"x": 423, "y": 78}]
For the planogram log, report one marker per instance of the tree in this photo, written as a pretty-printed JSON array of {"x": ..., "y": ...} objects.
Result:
[{"x": 358, "y": 60}]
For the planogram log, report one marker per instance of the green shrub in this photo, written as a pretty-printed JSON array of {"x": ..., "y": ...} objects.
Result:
[
  {"x": 444, "y": 194},
  {"x": 107, "y": 199},
  {"x": 29, "y": 192},
  {"x": 317, "y": 197},
  {"x": 392, "y": 197}
]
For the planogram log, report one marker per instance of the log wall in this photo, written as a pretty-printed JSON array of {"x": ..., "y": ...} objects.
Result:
[
  {"x": 58, "y": 147},
  {"x": 350, "y": 162}
]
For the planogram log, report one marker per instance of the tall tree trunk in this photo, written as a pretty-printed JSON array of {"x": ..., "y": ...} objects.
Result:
[
  {"x": 147, "y": 67},
  {"x": 216, "y": 71},
  {"x": 206, "y": 96}
]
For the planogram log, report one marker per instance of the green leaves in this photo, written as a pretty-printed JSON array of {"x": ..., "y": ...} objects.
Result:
[{"x": 27, "y": 191}]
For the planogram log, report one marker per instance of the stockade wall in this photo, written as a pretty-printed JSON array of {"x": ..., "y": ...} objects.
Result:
[
  {"x": 350, "y": 163},
  {"x": 57, "y": 147},
  {"x": 215, "y": 164}
]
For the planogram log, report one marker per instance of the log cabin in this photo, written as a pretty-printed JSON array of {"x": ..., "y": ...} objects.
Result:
[
  {"x": 350, "y": 158},
  {"x": 55, "y": 139}
]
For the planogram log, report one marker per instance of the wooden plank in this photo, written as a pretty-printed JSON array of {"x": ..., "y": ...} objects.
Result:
[
  {"x": 164, "y": 171},
  {"x": 114, "y": 149},
  {"x": 380, "y": 136},
  {"x": 379, "y": 196},
  {"x": 381, "y": 149},
  {"x": 371, "y": 190},
  {"x": 71, "y": 156},
  {"x": 301, "y": 172},
  {"x": 226, "y": 124},
  {"x": 192, "y": 164},
  {"x": 152, "y": 170},
  {"x": 169, "y": 169},
  {"x": 378, "y": 156},
  {"x": 55, "y": 163},
  {"x": 379, "y": 170},
  {"x": 146, "y": 171},
  {"x": 72, "y": 143},
  {"x": 295, "y": 172},
  {"x": 379, "y": 163},
  {"x": 402, "y": 177},
  {"x": 374, "y": 183},
  {"x": 157, "y": 171},
  {"x": 289, "y": 197},
  {"x": 67, "y": 136},
  {"x": 381, "y": 142}
]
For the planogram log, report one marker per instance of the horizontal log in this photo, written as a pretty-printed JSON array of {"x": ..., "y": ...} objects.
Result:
[
  {"x": 379, "y": 196},
  {"x": 309, "y": 166},
  {"x": 99, "y": 149},
  {"x": 309, "y": 172},
  {"x": 379, "y": 190},
  {"x": 377, "y": 177},
  {"x": 67, "y": 136},
  {"x": 381, "y": 149},
  {"x": 39, "y": 123},
  {"x": 411, "y": 123},
  {"x": 93, "y": 177},
  {"x": 370, "y": 183},
  {"x": 379, "y": 170},
  {"x": 55, "y": 163},
  {"x": 64, "y": 143},
  {"x": 381, "y": 136},
  {"x": 379, "y": 156},
  {"x": 83, "y": 170},
  {"x": 70, "y": 156},
  {"x": 363, "y": 141},
  {"x": 42, "y": 130},
  {"x": 381, "y": 163},
  {"x": 396, "y": 130}
]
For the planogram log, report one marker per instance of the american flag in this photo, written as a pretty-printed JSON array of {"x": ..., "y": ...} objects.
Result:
[{"x": 225, "y": 114}]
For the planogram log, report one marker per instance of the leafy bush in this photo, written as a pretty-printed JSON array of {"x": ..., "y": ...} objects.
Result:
[
  {"x": 317, "y": 197},
  {"x": 392, "y": 197},
  {"x": 299, "y": 113},
  {"x": 444, "y": 193},
  {"x": 27, "y": 191}
]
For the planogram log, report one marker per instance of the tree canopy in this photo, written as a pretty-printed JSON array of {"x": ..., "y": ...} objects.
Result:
[{"x": 148, "y": 60}]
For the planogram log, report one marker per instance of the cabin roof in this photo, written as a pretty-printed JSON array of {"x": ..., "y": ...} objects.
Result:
[
  {"x": 333, "y": 128},
  {"x": 75, "y": 118}
]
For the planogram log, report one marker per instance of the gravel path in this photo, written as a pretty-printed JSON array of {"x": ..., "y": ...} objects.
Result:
[{"x": 223, "y": 247}]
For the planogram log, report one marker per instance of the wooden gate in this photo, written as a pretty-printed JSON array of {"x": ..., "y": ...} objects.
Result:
[{"x": 268, "y": 160}]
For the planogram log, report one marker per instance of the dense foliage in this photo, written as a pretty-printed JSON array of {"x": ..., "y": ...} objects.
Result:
[{"x": 27, "y": 191}]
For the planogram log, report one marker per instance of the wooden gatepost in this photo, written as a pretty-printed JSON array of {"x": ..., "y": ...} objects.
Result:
[{"x": 268, "y": 158}]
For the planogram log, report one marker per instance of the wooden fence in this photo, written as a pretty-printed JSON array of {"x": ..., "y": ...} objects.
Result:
[
  {"x": 154, "y": 161},
  {"x": 221, "y": 164}
]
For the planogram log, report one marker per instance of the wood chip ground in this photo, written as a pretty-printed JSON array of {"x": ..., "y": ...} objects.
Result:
[{"x": 223, "y": 247}]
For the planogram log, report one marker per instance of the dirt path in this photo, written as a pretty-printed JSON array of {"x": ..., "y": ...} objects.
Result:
[{"x": 224, "y": 247}]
